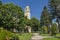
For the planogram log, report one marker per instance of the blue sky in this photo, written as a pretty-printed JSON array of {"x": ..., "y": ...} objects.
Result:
[{"x": 36, "y": 6}]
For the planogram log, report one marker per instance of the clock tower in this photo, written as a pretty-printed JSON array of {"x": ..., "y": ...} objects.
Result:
[{"x": 27, "y": 14}]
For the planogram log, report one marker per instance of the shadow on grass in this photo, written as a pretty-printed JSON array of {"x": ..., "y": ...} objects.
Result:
[{"x": 57, "y": 37}]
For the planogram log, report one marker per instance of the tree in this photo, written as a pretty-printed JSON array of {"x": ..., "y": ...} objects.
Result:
[
  {"x": 11, "y": 16},
  {"x": 0, "y": 2},
  {"x": 53, "y": 7},
  {"x": 46, "y": 18},
  {"x": 35, "y": 24}
]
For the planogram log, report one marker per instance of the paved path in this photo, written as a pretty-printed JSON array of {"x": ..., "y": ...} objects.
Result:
[{"x": 36, "y": 36}]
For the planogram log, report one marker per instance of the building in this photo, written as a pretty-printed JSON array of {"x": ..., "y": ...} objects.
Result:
[{"x": 27, "y": 14}]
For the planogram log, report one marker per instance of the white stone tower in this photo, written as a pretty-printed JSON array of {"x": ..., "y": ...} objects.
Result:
[{"x": 27, "y": 12}]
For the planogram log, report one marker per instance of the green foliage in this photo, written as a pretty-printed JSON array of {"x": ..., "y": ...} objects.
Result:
[
  {"x": 35, "y": 24},
  {"x": 11, "y": 16},
  {"x": 45, "y": 34},
  {"x": 25, "y": 36},
  {"x": 54, "y": 29},
  {"x": 51, "y": 39},
  {"x": 54, "y": 6},
  {"x": 27, "y": 21},
  {"x": 45, "y": 29},
  {"x": 4, "y": 33},
  {"x": 0, "y": 2},
  {"x": 45, "y": 17}
]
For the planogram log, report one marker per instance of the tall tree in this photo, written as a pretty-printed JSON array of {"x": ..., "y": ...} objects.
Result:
[
  {"x": 45, "y": 17},
  {"x": 35, "y": 24},
  {"x": 53, "y": 8},
  {"x": 11, "y": 16},
  {"x": 0, "y": 2}
]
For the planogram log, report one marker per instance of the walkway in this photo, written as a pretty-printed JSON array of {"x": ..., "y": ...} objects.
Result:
[{"x": 36, "y": 36}]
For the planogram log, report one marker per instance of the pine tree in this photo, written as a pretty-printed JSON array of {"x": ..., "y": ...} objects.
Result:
[
  {"x": 45, "y": 17},
  {"x": 53, "y": 8},
  {"x": 0, "y": 2}
]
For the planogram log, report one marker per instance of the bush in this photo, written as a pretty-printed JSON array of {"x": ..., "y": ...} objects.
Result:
[
  {"x": 4, "y": 33},
  {"x": 54, "y": 30},
  {"x": 45, "y": 29}
]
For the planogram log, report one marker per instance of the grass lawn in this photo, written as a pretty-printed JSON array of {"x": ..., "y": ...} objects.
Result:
[
  {"x": 45, "y": 34},
  {"x": 49, "y": 34},
  {"x": 25, "y": 36},
  {"x": 58, "y": 35},
  {"x": 51, "y": 39}
]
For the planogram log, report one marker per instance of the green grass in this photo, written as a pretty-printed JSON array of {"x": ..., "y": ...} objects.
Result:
[
  {"x": 58, "y": 35},
  {"x": 51, "y": 39},
  {"x": 25, "y": 36},
  {"x": 49, "y": 34},
  {"x": 45, "y": 34}
]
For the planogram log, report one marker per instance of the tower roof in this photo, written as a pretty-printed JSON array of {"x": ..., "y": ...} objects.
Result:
[{"x": 27, "y": 6}]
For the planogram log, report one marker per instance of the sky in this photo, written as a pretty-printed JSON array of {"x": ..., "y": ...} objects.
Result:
[{"x": 36, "y": 6}]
